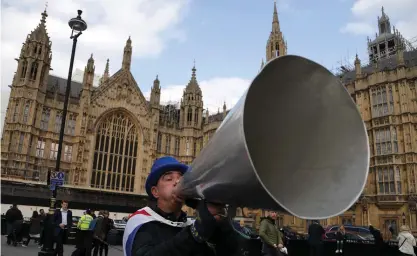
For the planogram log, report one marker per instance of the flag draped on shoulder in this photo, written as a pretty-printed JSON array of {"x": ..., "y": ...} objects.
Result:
[{"x": 137, "y": 219}]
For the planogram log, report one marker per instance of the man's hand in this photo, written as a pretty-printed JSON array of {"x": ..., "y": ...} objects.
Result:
[
  {"x": 217, "y": 210},
  {"x": 280, "y": 246},
  {"x": 62, "y": 226},
  {"x": 205, "y": 224},
  {"x": 275, "y": 246}
]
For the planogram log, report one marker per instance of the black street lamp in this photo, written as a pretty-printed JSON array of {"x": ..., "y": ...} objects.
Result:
[{"x": 77, "y": 25}]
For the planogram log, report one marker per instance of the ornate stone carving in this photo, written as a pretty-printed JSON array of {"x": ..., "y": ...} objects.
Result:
[
  {"x": 412, "y": 202},
  {"x": 90, "y": 126},
  {"x": 80, "y": 152},
  {"x": 364, "y": 201}
]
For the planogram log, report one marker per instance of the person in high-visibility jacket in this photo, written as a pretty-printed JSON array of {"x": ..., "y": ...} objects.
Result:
[
  {"x": 85, "y": 220},
  {"x": 84, "y": 234}
]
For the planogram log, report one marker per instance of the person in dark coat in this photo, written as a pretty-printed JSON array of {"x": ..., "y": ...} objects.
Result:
[
  {"x": 62, "y": 220},
  {"x": 379, "y": 241},
  {"x": 315, "y": 238},
  {"x": 340, "y": 237},
  {"x": 14, "y": 219},
  {"x": 162, "y": 229},
  {"x": 34, "y": 228},
  {"x": 107, "y": 225},
  {"x": 98, "y": 234}
]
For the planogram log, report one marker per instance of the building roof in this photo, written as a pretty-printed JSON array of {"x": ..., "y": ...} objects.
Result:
[
  {"x": 410, "y": 60},
  {"x": 59, "y": 85}
]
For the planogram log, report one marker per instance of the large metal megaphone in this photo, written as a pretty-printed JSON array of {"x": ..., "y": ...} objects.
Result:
[{"x": 295, "y": 142}]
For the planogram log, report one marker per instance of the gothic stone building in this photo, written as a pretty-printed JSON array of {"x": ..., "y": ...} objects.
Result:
[
  {"x": 112, "y": 133},
  {"x": 385, "y": 93}
]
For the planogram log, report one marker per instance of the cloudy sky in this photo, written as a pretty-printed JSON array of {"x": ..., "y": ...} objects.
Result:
[{"x": 226, "y": 38}]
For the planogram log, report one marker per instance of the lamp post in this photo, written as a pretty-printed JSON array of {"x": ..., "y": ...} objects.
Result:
[
  {"x": 77, "y": 25},
  {"x": 403, "y": 216}
]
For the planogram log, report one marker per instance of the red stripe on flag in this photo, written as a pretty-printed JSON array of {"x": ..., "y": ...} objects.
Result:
[{"x": 141, "y": 212}]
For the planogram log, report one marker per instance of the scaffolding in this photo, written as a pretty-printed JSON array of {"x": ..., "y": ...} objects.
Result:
[
  {"x": 169, "y": 113},
  {"x": 346, "y": 65}
]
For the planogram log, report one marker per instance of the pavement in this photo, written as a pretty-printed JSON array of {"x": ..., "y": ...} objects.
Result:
[{"x": 32, "y": 249}]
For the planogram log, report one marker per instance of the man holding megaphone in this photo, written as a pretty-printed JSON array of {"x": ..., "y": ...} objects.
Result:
[{"x": 162, "y": 228}]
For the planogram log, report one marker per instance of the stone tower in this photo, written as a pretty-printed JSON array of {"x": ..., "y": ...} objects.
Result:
[
  {"x": 191, "y": 115},
  {"x": 35, "y": 58},
  {"x": 27, "y": 90},
  {"x": 276, "y": 45},
  {"x": 192, "y": 104},
  {"x": 388, "y": 41}
]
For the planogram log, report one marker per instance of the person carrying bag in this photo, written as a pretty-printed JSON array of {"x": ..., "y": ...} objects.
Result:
[{"x": 406, "y": 242}]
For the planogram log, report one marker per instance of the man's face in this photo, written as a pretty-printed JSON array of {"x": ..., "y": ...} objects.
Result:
[
  {"x": 164, "y": 189},
  {"x": 273, "y": 215},
  {"x": 41, "y": 211},
  {"x": 64, "y": 205}
]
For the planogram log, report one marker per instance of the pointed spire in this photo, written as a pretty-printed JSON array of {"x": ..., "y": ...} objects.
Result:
[
  {"x": 275, "y": 21},
  {"x": 90, "y": 65},
  {"x": 276, "y": 45},
  {"x": 262, "y": 64},
  {"x": 275, "y": 18},
  {"x": 207, "y": 116},
  {"x": 106, "y": 69},
  {"x": 127, "y": 55},
  {"x": 156, "y": 83},
  {"x": 193, "y": 76},
  {"x": 106, "y": 73},
  {"x": 44, "y": 15}
]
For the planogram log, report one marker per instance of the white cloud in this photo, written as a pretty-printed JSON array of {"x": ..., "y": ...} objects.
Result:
[
  {"x": 401, "y": 13},
  {"x": 150, "y": 23},
  {"x": 358, "y": 28},
  {"x": 215, "y": 91}
]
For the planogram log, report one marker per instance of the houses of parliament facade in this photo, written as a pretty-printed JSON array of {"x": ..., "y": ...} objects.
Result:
[{"x": 113, "y": 134}]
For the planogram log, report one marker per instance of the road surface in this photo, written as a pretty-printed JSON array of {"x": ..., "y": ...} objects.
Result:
[{"x": 32, "y": 249}]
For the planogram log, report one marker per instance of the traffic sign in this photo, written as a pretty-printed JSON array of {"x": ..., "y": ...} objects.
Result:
[
  {"x": 57, "y": 182},
  {"x": 60, "y": 175},
  {"x": 52, "y": 187}
]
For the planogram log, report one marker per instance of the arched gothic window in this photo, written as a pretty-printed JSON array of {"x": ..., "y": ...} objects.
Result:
[
  {"x": 277, "y": 50},
  {"x": 196, "y": 117},
  {"x": 168, "y": 144},
  {"x": 16, "y": 112},
  {"x": 24, "y": 69},
  {"x": 26, "y": 112},
  {"x": 189, "y": 115},
  {"x": 34, "y": 71},
  {"x": 115, "y": 154}
]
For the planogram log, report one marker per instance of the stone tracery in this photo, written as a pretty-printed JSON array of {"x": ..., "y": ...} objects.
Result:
[{"x": 115, "y": 153}]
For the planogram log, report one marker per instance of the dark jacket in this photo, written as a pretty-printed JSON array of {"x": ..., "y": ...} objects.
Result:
[
  {"x": 35, "y": 225},
  {"x": 106, "y": 226},
  {"x": 269, "y": 232},
  {"x": 340, "y": 236},
  {"x": 13, "y": 214},
  {"x": 98, "y": 229},
  {"x": 158, "y": 239},
  {"x": 379, "y": 241},
  {"x": 315, "y": 233},
  {"x": 58, "y": 220}
]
